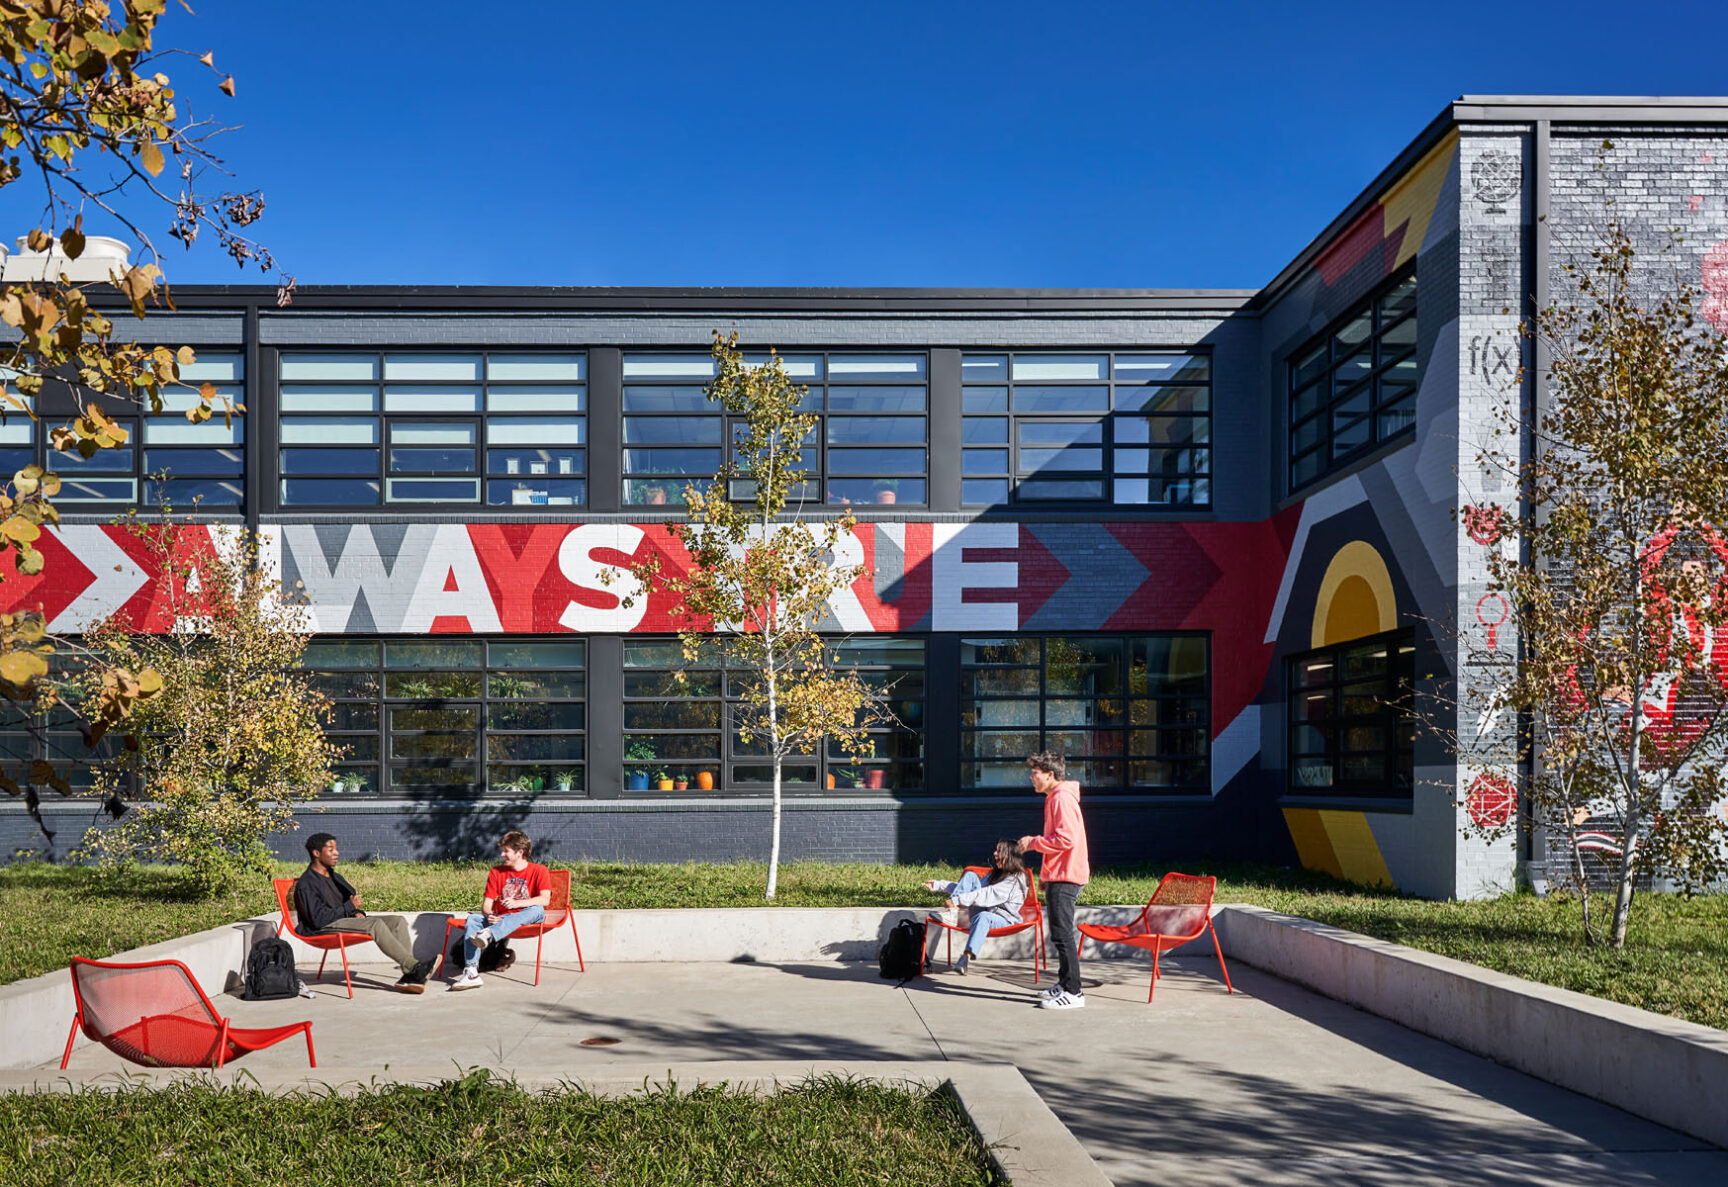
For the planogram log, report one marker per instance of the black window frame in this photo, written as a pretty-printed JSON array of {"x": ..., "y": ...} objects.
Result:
[
  {"x": 1393, "y": 715},
  {"x": 557, "y": 483},
  {"x": 1390, "y": 406},
  {"x": 487, "y": 704},
  {"x": 1191, "y": 718},
  {"x": 1115, "y": 442},
  {"x": 818, "y": 488}
]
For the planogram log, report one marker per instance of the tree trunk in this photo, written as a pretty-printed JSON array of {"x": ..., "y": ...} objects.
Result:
[{"x": 774, "y": 847}]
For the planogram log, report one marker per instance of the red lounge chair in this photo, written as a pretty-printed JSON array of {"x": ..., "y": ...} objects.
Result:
[
  {"x": 1031, "y": 915},
  {"x": 1180, "y": 910},
  {"x": 557, "y": 912},
  {"x": 155, "y": 1014},
  {"x": 341, "y": 941}
]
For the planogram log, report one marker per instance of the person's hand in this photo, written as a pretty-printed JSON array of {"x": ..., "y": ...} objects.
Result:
[
  {"x": 952, "y": 903},
  {"x": 493, "y": 917},
  {"x": 932, "y": 884},
  {"x": 355, "y": 900},
  {"x": 1026, "y": 842}
]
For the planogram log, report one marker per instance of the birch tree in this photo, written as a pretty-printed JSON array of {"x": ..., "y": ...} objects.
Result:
[{"x": 761, "y": 576}]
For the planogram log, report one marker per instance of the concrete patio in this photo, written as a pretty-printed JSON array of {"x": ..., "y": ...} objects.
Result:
[{"x": 1271, "y": 1085}]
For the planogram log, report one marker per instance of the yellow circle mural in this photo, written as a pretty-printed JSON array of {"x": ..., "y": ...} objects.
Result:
[{"x": 1355, "y": 598}]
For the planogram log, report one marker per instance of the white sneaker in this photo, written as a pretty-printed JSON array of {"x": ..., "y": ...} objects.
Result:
[
  {"x": 470, "y": 979},
  {"x": 483, "y": 937},
  {"x": 1063, "y": 1001},
  {"x": 960, "y": 965},
  {"x": 1048, "y": 992}
]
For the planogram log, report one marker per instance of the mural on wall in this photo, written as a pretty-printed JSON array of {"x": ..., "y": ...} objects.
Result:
[{"x": 546, "y": 578}]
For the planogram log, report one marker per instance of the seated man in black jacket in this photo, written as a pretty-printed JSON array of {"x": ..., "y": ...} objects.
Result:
[{"x": 325, "y": 902}]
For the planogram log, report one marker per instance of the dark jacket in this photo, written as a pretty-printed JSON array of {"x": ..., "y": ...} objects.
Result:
[{"x": 321, "y": 901}]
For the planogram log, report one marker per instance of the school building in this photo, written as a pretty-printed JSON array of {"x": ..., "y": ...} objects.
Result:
[{"x": 1207, "y": 544}]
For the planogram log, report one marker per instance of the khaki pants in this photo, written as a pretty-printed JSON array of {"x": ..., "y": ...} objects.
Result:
[{"x": 391, "y": 933}]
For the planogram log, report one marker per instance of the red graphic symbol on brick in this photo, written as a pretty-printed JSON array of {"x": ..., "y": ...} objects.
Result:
[
  {"x": 1485, "y": 524},
  {"x": 1695, "y": 202},
  {"x": 1709, "y": 158},
  {"x": 1493, "y": 627},
  {"x": 1490, "y": 800},
  {"x": 1715, "y": 285}
]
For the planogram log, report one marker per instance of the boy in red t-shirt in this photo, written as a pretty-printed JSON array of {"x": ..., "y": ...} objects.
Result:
[{"x": 517, "y": 891}]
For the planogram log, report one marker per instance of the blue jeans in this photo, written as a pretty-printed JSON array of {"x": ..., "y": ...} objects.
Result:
[
  {"x": 982, "y": 921},
  {"x": 512, "y": 921}
]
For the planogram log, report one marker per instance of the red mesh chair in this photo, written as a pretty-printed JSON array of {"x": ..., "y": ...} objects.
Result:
[
  {"x": 155, "y": 1014},
  {"x": 341, "y": 941},
  {"x": 557, "y": 913},
  {"x": 1031, "y": 915},
  {"x": 1180, "y": 910}
]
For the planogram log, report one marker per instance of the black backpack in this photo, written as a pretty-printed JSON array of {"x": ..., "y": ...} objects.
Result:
[
  {"x": 901, "y": 957},
  {"x": 494, "y": 957},
  {"x": 270, "y": 971}
]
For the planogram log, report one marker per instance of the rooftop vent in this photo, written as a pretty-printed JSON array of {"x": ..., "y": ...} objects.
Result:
[{"x": 102, "y": 257}]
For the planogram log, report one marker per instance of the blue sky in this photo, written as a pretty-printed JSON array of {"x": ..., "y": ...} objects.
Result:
[{"x": 934, "y": 143}]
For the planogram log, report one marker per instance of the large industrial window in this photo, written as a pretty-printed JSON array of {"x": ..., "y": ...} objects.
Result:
[
  {"x": 502, "y": 429},
  {"x": 681, "y": 736},
  {"x": 870, "y": 444},
  {"x": 166, "y": 458},
  {"x": 1354, "y": 386},
  {"x": 1126, "y": 713},
  {"x": 1351, "y": 728},
  {"x": 1130, "y": 429},
  {"x": 427, "y": 717}
]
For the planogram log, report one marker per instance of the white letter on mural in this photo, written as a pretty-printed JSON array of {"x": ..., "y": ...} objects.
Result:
[
  {"x": 577, "y": 562},
  {"x": 451, "y": 562},
  {"x": 952, "y": 575}
]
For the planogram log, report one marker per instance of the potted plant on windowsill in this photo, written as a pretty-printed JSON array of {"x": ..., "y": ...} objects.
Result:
[
  {"x": 636, "y": 752},
  {"x": 887, "y": 491},
  {"x": 663, "y": 779},
  {"x": 566, "y": 780}
]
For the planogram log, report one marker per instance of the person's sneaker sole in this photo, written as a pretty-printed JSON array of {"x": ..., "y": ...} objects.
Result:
[
  {"x": 1063, "y": 1003},
  {"x": 464, "y": 983},
  {"x": 481, "y": 940},
  {"x": 411, "y": 986}
]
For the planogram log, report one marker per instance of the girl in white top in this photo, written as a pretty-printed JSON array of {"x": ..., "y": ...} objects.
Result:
[{"x": 992, "y": 901}]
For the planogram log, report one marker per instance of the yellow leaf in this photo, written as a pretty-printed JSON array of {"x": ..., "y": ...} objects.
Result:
[
  {"x": 151, "y": 156},
  {"x": 20, "y": 668}
]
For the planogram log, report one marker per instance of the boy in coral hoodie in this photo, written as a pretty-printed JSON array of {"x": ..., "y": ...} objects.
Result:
[{"x": 1064, "y": 872}]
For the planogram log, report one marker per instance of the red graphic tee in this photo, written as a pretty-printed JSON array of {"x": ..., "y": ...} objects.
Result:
[{"x": 502, "y": 882}]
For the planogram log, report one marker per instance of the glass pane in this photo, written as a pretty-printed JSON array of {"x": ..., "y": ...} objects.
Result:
[
  {"x": 800, "y": 368},
  {"x": 535, "y": 430},
  {"x": 1399, "y": 337},
  {"x": 843, "y": 367},
  {"x": 975, "y": 714},
  {"x": 876, "y": 461},
  {"x": 673, "y": 430},
  {"x": 986, "y": 430},
  {"x": 1034, "y": 460},
  {"x": 214, "y": 367},
  {"x": 1399, "y": 301},
  {"x": 535, "y": 747},
  {"x": 440, "y": 433},
  {"x": 432, "y": 490},
  {"x": 1354, "y": 333},
  {"x": 539, "y": 492},
  {"x": 1162, "y": 368},
  {"x": 556, "y": 715},
  {"x": 211, "y": 432},
  {"x": 1045, "y": 488},
  {"x": 1164, "y": 399},
  {"x": 538, "y": 654},
  {"x": 329, "y": 492},
  {"x": 875, "y": 399},
  {"x": 420, "y": 717},
  {"x": 421, "y": 461},
  {"x": 984, "y": 461},
  {"x": 876, "y": 490},
  {"x": 431, "y": 399},
  {"x": 668, "y": 399},
  {"x": 97, "y": 490},
  {"x": 552, "y": 368},
  {"x": 876, "y": 430},
  {"x": 984, "y": 399},
  {"x": 433, "y": 654},
  {"x": 1061, "y": 399},
  {"x": 678, "y": 714},
  {"x": 329, "y": 399},
  {"x": 1309, "y": 367},
  {"x": 702, "y": 462},
  {"x": 984, "y": 368},
  {"x": 669, "y": 366},
  {"x": 1047, "y": 433},
  {"x": 1011, "y": 651},
  {"x": 983, "y": 492},
  {"x": 535, "y": 461},
  {"x": 297, "y": 365},
  {"x": 202, "y": 492},
  {"x": 455, "y": 367},
  {"x": 1046, "y": 367},
  {"x": 536, "y": 399},
  {"x": 329, "y": 430},
  {"x": 423, "y": 686}
]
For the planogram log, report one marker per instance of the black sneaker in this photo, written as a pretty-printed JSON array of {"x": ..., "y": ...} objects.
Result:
[{"x": 414, "y": 980}]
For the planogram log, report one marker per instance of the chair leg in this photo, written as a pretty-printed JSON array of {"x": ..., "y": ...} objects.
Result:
[
  {"x": 580, "y": 967},
  {"x": 444, "y": 952},
  {"x": 539, "y": 943},
  {"x": 1219, "y": 948},
  {"x": 222, "y": 1046},
  {"x": 950, "y": 941},
  {"x": 77, "y": 1018},
  {"x": 311, "y": 1059},
  {"x": 1154, "y": 986},
  {"x": 347, "y": 977},
  {"x": 321, "y": 961}
]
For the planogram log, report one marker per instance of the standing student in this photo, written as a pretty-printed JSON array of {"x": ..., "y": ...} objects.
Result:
[
  {"x": 517, "y": 892},
  {"x": 1065, "y": 871}
]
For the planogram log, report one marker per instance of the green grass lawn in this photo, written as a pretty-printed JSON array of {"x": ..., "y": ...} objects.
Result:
[
  {"x": 1675, "y": 962},
  {"x": 479, "y": 1130}
]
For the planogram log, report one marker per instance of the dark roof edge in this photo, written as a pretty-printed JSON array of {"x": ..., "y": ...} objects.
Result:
[
  {"x": 1491, "y": 109},
  {"x": 548, "y": 299}
]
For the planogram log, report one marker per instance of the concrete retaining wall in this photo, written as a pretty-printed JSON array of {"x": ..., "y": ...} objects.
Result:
[{"x": 1668, "y": 1071}]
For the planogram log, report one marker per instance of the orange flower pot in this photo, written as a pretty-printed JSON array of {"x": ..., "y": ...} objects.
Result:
[{"x": 705, "y": 780}]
